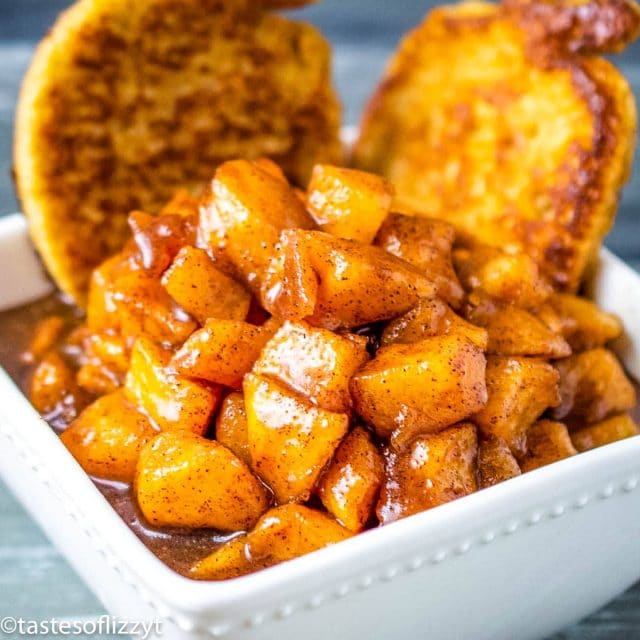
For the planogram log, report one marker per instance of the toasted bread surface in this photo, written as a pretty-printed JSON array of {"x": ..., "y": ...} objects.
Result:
[
  {"x": 125, "y": 102},
  {"x": 519, "y": 140}
]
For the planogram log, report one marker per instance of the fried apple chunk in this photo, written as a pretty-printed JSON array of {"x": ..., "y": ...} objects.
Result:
[
  {"x": 431, "y": 317},
  {"x": 604, "y": 432},
  {"x": 349, "y": 488},
  {"x": 282, "y": 534},
  {"x": 172, "y": 402},
  {"x": 426, "y": 244},
  {"x": 107, "y": 437},
  {"x": 409, "y": 389},
  {"x": 242, "y": 215},
  {"x": 142, "y": 306},
  {"x": 436, "y": 468},
  {"x": 109, "y": 349},
  {"x": 183, "y": 205},
  {"x": 45, "y": 335},
  {"x": 513, "y": 331},
  {"x": 184, "y": 480},
  {"x": 52, "y": 384},
  {"x": 510, "y": 276},
  {"x": 97, "y": 380},
  {"x": 348, "y": 203},
  {"x": 495, "y": 463},
  {"x": 158, "y": 239},
  {"x": 290, "y": 440},
  {"x": 202, "y": 290},
  {"x": 547, "y": 442},
  {"x": 231, "y": 426},
  {"x": 124, "y": 297},
  {"x": 222, "y": 79},
  {"x": 593, "y": 386},
  {"x": 519, "y": 391},
  {"x": 101, "y": 306},
  {"x": 222, "y": 352},
  {"x": 580, "y": 321},
  {"x": 316, "y": 363},
  {"x": 493, "y": 122},
  {"x": 105, "y": 362},
  {"x": 335, "y": 283}
]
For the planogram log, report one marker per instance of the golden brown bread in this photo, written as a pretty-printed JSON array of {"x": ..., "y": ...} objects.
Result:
[
  {"x": 496, "y": 119},
  {"x": 600, "y": 26},
  {"x": 125, "y": 102}
]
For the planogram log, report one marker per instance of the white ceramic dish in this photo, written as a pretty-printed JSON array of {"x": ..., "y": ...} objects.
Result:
[{"x": 519, "y": 560}]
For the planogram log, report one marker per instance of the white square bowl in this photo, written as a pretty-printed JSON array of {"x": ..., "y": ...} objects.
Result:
[{"x": 519, "y": 560}]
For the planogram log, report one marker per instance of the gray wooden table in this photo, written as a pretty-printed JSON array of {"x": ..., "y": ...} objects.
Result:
[{"x": 35, "y": 581}]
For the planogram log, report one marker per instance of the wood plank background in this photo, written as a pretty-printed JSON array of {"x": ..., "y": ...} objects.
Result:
[{"x": 35, "y": 582}]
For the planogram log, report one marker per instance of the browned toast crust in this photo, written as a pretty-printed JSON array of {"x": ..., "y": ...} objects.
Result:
[
  {"x": 515, "y": 139},
  {"x": 126, "y": 102}
]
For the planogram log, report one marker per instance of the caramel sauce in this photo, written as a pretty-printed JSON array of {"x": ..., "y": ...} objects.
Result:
[{"x": 179, "y": 549}]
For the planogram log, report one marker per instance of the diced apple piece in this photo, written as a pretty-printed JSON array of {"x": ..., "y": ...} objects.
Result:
[
  {"x": 580, "y": 321},
  {"x": 334, "y": 283},
  {"x": 109, "y": 349},
  {"x": 183, "y": 204},
  {"x": 604, "y": 432},
  {"x": 231, "y": 426},
  {"x": 290, "y": 287},
  {"x": 495, "y": 463},
  {"x": 436, "y": 468},
  {"x": 105, "y": 363},
  {"x": 106, "y": 438},
  {"x": 290, "y": 440},
  {"x": 431, "y": 317},
  {"x": 547, "y": 442},
  {"x": 269, "y": 166},
  {"x": 242, "y": 216},
  {"x": 425, "y": 320},
  {"x": 142, "y": 306},
  {"x": 314, "y": 362},
  {"x": 348, "y": 203},
  {"x": 516, "y": 332},
  {"x": 349, "y": 489},
  {"x": 520, "y": 390},
  {"x": 171, "y": 401},
  {"x": 101, "y": 306},
  {"x": 44, "y": 337},
  {"x": 97, "y": 380},
  {"x": 157, "y": 239},
  {"x": 593, "y": 386},
  {"x": 223, "y": 351},
  {"x": 408, "y": 389},
  {"x": 52, "y": 383},
  {"x": 202, "y": 290},
  {"x": 426, "y": 244},
  {"x": 184, "y": 480},
  {"x": 512, "y": 277},
  {"x": 282, "y": 534}
]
